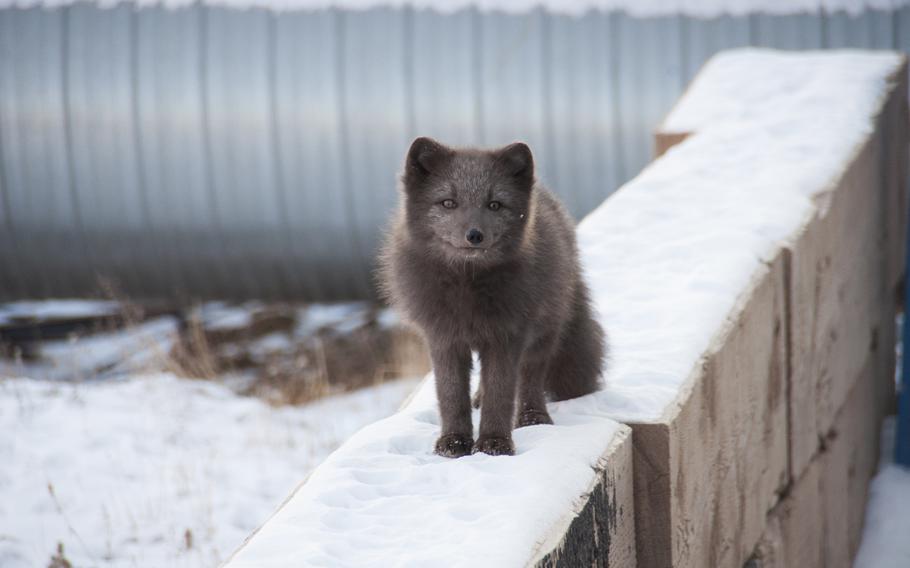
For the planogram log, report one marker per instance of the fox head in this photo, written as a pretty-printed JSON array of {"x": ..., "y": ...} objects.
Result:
[{"x": 468, "y": 205}]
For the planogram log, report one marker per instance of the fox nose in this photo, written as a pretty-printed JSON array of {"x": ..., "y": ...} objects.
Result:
[{"x": 474, "y": 237}]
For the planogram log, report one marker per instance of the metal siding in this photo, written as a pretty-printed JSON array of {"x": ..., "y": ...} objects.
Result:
[
  {"x": 902, "y": 29},
  {"x": 170, "y": 120},
  {"x": 248, "y": 201},
  {"x": 512, "y": 76},
  {"x": 841, "y": 30},
  {"x": 215, "y": 152},
  {"x": 872, "y": 29},
  {"x": 9, "y": 264},
  {"x": 705, "y": 37},
  {"x": 38, "y": 189},
  {"x": 795, "y": 31},
  {"x": 12, "y": 272},
  {"x": 308, "y": 122},
  {"x": 102, "y": 136},
  {"x": 881, "y": 29},
  {"x": 445, "y": 86},
  {"x": 582, "y": 91},
  {"x": 376, "y": 133},
  {"x": 650, "y": 81}
]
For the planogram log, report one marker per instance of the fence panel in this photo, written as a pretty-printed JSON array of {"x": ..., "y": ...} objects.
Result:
[{"x": 211, "y": 152}]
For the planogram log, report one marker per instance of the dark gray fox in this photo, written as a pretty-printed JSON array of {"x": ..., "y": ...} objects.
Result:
[{"x": 483, "y": 258}]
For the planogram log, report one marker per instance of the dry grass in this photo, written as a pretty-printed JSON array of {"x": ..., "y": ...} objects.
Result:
[
  {"x": 267, "y": 357},
  {"x": 306, "y": 368},
  {"x": 59, "y": 560}
]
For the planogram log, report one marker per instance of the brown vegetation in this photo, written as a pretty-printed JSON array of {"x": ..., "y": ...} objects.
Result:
[{"x": 277, "y": 364}]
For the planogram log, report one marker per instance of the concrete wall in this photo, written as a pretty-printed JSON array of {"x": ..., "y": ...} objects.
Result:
[
  {"x": 767, "y": 454},
  {"x": 819, "y": 520},
  {"x": 720, "y": 453},
  {"x": 602, "y": 532}
]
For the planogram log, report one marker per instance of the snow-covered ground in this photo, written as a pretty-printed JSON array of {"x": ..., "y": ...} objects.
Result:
[
  {"x": 155, "y": 470},
  {"x": 138, "y": 348},
  {"x": 885, "y": 541},
  {"x": 55, "y": 309}
]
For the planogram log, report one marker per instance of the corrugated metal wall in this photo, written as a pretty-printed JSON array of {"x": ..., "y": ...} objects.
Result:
[{"x": 212, "y": 152}]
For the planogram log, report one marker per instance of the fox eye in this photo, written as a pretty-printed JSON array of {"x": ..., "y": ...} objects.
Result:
[
  {"x": 494, "y": 205},
  {"x": 449, "y": 204}
]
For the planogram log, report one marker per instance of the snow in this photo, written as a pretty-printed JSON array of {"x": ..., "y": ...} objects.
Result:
[
  {"x": 337, "y": 317},
  {"x": 222, "y": 316},
  {"x": 55, "y": 309},
  {"x": 343, "y": 317},
  {"x": 639, "y": 8},
  {"x": 275, "y": 342},
  {"x": 750, "y": 85},
  {"x": 384, "y": 490},
  {"x": 668, "y": 255},
  {"x": 130, "y": 350},
  {"x": 885, "y": 543},
  {"x": 134, "y": 349},
  {"x": 136, "y": 463}
]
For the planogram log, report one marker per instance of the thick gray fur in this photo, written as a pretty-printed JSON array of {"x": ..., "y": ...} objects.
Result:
[{"x": 516, "y": 297}]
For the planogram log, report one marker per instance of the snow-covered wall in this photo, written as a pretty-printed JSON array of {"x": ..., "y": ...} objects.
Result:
[
  {"x": 746, "y": 282},
  {"x": 822, "y": 137},
  {"x": 384, "y": 499}
]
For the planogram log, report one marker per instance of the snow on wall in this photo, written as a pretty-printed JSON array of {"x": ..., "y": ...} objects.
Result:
[
  {"x": 761, "y": 86},
  {"x": 384, "y": 492},
  {"x": 640, "y": 8},
  {"x": 669, "y": 253}
]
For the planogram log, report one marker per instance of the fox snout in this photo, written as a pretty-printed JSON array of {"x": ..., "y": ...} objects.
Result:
[{"x": 474, "y": 236}]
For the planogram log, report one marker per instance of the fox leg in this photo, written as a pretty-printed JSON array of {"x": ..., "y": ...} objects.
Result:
[
  {"x": 535, "y": 363},
  {"x": 498, "y": 375},
  {"x": 452, "y": 368}
]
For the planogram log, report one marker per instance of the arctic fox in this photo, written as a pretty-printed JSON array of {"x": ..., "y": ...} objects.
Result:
[{"x": 482, "y": 258}]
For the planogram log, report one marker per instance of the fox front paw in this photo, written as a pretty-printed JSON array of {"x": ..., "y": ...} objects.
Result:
[
  {"x": 454, "y": 445},
  {"x": 495, "y": 446},
  {"x": 533, "y": 417}
]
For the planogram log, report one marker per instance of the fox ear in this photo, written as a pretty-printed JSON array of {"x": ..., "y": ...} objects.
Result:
[
  {"x": 517, "y": 161},
  {"x": 426, "y": 156}
]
